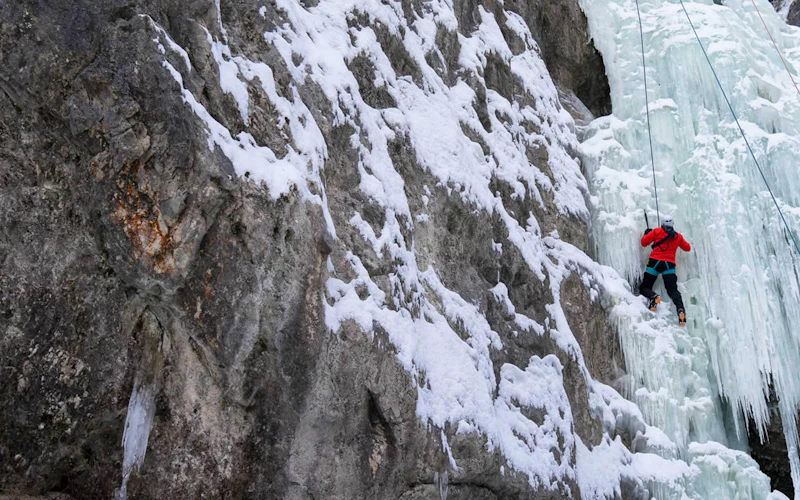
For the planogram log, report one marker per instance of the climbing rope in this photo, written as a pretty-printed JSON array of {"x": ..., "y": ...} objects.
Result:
[
  {"x": 741, "y": 131},
  {"x": 647, "y": 111},
  {"x": 776, "y": 47}
]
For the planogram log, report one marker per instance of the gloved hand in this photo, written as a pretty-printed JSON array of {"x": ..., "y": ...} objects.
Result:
[{"x": 647, "y": 230}]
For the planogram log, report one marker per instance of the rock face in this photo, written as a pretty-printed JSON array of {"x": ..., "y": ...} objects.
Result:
[
  {"x": 770, "y": 450},
  {"x": 148, "y": 276},
  {"x": 573, "y": 62},
  {"x": 789, "y": 10}
]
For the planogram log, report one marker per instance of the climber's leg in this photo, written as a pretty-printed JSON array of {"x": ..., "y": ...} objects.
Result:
[{"x": 646, "y": 288}]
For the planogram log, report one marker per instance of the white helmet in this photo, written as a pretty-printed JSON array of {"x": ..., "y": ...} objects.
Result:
[{"x": 667, "y": 222}]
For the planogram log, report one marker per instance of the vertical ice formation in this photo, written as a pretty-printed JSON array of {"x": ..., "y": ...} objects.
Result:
[
  {"x": 142, "y": 404},
  {"x": 440, "y": 482},
  {"x": 141, "y": 409},
  {"x": 740, "y": 283}
]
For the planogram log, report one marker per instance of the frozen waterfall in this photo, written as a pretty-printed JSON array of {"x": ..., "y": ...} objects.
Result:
[{"x": 740, "y": 283}]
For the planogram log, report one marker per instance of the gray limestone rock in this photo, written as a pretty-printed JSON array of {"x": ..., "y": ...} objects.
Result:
[{"x": 769, "y": 449}]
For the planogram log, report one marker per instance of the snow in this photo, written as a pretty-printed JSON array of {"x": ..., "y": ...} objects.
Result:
[
  {"x": 599, "y": 469},
  {"x": 500, "y": 292},
  {"x": 229, "y": 80},
  {"x": 777, "y": 495},
  {"x": 298, "y": 167},
  {"x": 170, "y": 42},
  {"x": 530, "y": 447}
]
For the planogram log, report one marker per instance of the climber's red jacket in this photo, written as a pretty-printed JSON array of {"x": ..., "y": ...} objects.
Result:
[{"x": 665, "y": 251}]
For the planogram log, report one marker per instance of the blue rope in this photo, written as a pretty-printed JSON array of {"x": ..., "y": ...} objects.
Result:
[
  {"x": 647, "y": 110},
  {"x": 741, "y": 131}
]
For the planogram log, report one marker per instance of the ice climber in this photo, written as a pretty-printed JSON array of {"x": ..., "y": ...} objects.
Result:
[{"x": 665, "y": 243}]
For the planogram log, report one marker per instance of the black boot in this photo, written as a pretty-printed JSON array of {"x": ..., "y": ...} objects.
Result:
[
  {"x": 681, "y": 317},
  {"x": 653, "y": 303}
]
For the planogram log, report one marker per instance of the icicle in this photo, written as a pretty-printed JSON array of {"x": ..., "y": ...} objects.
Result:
[
  {"x": 142, "y": 406},
  {"x": 141, "y": 410},
  {"x": 440, "y": 481}
]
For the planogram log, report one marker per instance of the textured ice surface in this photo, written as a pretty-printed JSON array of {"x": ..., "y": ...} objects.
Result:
[
  {"x": 139, "y": 419},
  {"x": 740, "y": 283}
]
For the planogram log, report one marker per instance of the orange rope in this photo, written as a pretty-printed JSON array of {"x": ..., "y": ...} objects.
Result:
[{"x": 776, "y": 47}]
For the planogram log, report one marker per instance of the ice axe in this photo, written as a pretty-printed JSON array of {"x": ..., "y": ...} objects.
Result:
[{"x": 646, "y": 220}]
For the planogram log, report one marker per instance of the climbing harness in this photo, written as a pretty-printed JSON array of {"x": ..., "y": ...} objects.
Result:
[
  {"x": 741, "y": 131},
  {"x": 647, "y": 111},
  {"x": 655, "y": 272},
  {"x": 776, "y": 47}
]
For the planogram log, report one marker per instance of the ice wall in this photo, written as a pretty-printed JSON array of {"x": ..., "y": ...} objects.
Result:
[{"x": 740, "y": 283}]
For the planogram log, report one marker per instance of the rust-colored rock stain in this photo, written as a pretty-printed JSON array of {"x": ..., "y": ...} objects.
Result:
[{"x": 141, "y": 220}]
